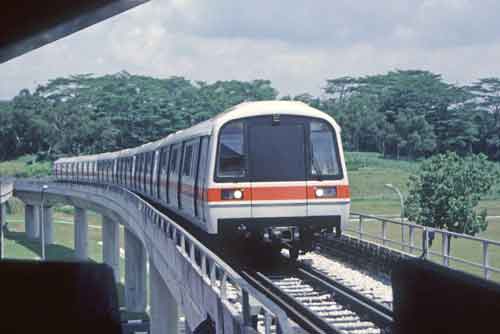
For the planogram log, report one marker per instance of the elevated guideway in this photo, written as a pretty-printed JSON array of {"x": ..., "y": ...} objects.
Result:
[{"x": 183, "y": 274}]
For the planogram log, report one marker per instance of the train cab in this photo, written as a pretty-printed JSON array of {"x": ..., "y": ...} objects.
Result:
[{"x": 279, "y": 174}]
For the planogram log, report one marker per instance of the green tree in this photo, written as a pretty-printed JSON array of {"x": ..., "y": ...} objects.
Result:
[
  {"x": 486, "y": 102},
  {"x": 446, "y": 190},
  {"x": 85, "y": 114},
  {"x": 401, "y": 113}
]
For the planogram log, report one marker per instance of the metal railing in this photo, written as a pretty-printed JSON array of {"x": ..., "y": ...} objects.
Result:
[
  {"x": 228, "y": 284},
  {"x": 431, "y": 243}
]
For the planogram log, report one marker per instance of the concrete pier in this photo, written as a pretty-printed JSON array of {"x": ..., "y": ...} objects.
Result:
[
  {"x": 32, "y": 221},
  {"x": 81, "y": 234},
  {"x": 111, "y": 245},
  {"x": 135, "y": 274},
  {"x": 48, "y": 225},
  {"x": 164, "y": 310},
  {"x": 3, "y": 217}
]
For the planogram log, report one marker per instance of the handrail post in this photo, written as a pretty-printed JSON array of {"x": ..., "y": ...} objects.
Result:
[
  {"x": 403, "y": 235},
  {"x": 213, "y": 275},
  {"x": 444, "y": 249},
  {"x": 183, "y": 243},
  {"x": 203, "y": 265},
  {"x": 192, "y": 253},
  {"x": 223, "y": 286},
  {"x": 425, "y": 243},
  {"x": 360, "y": 227},
  {"x": 384, "y": 232},
  {"x": 245, "y": 307},
  {"x": 486, "y": 260},
  {"x": 279, "y": 330},
  {"x": 267, "y": 322},
  {"x": 412, "y": 238}
]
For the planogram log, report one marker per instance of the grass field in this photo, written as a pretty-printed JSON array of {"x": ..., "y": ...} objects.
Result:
[{"x": 368, "y": 174}]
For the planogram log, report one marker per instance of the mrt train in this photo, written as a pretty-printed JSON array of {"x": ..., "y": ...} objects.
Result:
[{"x": 270, "y": 172}]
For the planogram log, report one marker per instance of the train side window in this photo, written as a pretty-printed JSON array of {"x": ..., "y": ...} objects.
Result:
[
  {"x": 164, "y": 159},
  {"x": 188, "y": 156},
  {"x": 232, "y": 155},
  {"x": 173, "y": 160}
]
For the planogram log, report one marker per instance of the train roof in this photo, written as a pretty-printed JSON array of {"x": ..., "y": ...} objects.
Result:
[{"x": 242, "y": 110}]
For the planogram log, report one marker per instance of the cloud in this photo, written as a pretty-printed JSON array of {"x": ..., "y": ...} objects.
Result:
[{"x": 297, "y": 44}]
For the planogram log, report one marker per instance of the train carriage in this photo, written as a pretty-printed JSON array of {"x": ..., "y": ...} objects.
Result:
[{"x": 271, "y": 172}]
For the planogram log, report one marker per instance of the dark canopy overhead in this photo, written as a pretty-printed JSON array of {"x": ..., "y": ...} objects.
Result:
[{"x": 29, "y": 24}]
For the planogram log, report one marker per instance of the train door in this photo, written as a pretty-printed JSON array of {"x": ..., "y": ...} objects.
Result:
[
  {"x": 190, "y": 157},
  {"x": 152, "y": 173},
  {"x": 147, "y": 172},
  {"x": 163, "y": 175},
  {"x": 130, "y": 171},
  {"x": 201, "y": 178},
  {"x": 173, "y": 177},
  {"x": 138, "y": 172},
  {"x": 277, "y": 151},
  {"x": 142, "y": 182},
  {"x": 155, "y": 172},
  {"x": 159, "y": 179}
]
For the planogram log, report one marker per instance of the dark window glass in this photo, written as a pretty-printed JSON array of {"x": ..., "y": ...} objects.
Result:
[
  {"x": 173, "y": 161},
  {"x": 164, "y": 161},
  {"x": 277, "y": 152},
  {"x": 188, "y": 156},
  {"x": 324, "y": 157},
  {"x": 232, "y": 155}
]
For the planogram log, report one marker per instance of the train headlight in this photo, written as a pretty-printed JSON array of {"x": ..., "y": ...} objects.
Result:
[
  {"x": 232, "y": 194},
  {"x": 326, "y": 192},
  {"x": 238, "y": 194}
]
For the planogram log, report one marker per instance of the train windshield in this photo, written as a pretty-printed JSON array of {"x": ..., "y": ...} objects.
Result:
[
  {"x": 324, "y": 157},
  {"x": 288, "y": 148},
  {"x": 232, "y": 157}
]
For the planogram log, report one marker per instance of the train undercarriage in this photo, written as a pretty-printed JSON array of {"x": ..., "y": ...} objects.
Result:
[{"x": 298, "y": 235}]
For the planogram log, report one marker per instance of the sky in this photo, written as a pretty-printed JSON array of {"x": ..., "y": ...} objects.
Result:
[{"x": 297, "y": 44}]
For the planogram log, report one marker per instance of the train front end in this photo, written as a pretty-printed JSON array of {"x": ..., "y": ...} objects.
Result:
[{"x": 279, "y": 176}]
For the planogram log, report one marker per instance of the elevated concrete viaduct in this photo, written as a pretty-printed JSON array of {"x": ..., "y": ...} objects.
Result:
[{"x": 184, "y": 276}]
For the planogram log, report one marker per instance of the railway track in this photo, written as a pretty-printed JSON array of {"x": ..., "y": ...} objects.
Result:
[
  {"x": 319, "y": 304},
  {"x": 362, "y": 280}
]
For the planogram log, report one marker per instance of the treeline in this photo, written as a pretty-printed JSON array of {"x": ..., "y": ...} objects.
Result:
[
  {"x": 414, "y": 114},
  {"x": 84, "y": 114},
  {"x": 402, "y": 114}
]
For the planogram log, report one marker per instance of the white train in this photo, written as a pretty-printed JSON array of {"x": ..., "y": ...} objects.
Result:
[{"x": 270, "y": 171}]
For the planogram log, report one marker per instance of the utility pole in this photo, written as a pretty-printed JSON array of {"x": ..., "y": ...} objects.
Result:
[{"x": 402, "y": 211}]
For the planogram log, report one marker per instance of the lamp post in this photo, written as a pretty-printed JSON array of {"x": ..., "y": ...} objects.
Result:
[
  {"x": 402, "y": 211},
  {"x": 42, "y": 221}
]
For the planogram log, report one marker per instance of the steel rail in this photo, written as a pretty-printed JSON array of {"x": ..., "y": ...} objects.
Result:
[
  {"x": 381, "y": 315},
  {"x": 304, "y": 317}
]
